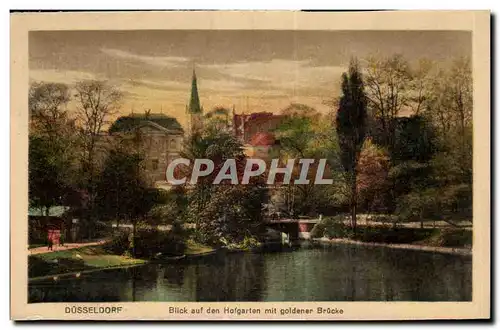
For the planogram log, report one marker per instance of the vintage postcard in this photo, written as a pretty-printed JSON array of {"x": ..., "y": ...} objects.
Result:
[{"x": 250, "y": 165}]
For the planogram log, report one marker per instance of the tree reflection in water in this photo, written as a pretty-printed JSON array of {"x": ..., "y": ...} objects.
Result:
[{"x": 328, "y": 273}]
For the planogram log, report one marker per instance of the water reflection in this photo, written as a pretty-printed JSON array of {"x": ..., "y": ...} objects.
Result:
[{"x": 330, "y": 273}]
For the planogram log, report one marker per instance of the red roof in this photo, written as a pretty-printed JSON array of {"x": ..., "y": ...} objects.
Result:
[{"x": 262, "y": 139}]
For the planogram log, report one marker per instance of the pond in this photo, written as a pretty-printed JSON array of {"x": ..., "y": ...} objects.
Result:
[{"x": 325, "y": 273}]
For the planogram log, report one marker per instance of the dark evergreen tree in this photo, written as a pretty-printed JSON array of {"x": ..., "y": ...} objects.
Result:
[{"x": 351, "y": 128}]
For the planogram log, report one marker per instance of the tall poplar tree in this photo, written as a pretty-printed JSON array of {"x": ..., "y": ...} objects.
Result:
[{"x": 351, "y": 129}]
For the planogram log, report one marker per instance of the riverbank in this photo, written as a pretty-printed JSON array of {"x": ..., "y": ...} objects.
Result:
[
  {"x": 77, "y": 261},
  {"x": 195, "y": 249},
  {"x": 449, "y": 240},
  {"x": 339, "y": 272},
  {"x": 72, "y": 261},
  {"x": 463, "y": 251}
]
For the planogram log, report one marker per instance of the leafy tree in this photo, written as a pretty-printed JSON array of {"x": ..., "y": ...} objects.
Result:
[
  {"x": 96, "y": 101},
  {"x": 217, "y": 146},
  {"x": 414, "y": 140},
  {"x": 218, "y": 119},
  {"x": 455, "y": 202},
  {"x": 449, "y": 203},
  {"x": 409, "y": 176},
  {"x": 306, "y": 133},
  {"x": 388, "y": 83},
  {"x": 450, "y": 110},
  {"x": 224, "y": 211},
  {"x": 172, "y": 209},
  {"x": 300, "y": 110},
  {"x": 51, "y": 148},
  {"x": 49, "y": 173},
  {"x": 417, "y": 205},
  {"x": 296, "y": 135},
  {"x": 372, "y": 180},
  {"x": 420, "y": 85},
  {"x": 47, "y": 102},
  {"x": 450, "y": 104},
  {"x": 122, "y": 192},
  {"x": 233, "y": 213},
  {"x": 351, "y": 129}
]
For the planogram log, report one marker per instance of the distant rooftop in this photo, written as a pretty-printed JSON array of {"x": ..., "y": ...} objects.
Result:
[
  {"x": 54, "y": 211},
  {"x": 132, "y": 121},
  {"x": 262, "y": 139}
]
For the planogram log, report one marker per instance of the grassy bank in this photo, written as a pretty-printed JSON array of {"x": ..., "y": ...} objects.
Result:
[
  {"x": 194, "y": 248},
  {"x": 76, "y": 260},
  {"x": 92, "y": 258},
  {"x": 432, "y": 237},
  {"x": 418, "y": 236}
]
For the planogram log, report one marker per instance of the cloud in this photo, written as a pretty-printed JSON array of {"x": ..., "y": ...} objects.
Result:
[
  {"x": 282, "y": 74},
  {"x": 221, "y": 85},
  {"x": 162, "y": 61},
  {"x": 65, "y": 77},
  {"x": 162, "y": 85}
]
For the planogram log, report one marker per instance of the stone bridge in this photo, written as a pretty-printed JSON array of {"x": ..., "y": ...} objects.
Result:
[{"x": 294, "y": 228}]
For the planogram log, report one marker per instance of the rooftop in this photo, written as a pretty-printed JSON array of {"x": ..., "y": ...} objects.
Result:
[{"x": 132, "y": 121}]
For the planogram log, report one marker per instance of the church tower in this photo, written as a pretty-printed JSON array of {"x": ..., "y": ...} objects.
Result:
[{"x": 195, "y": 110}]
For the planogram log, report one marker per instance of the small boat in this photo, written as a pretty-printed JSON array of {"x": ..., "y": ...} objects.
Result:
[
  {"x": 159, "y": 257},
  {"x": 174, "y": 258},
  {"x": 203, "y": 254}
]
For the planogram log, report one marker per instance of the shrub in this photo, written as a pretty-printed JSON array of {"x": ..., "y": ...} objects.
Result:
[
  {"x": 150, "y": 241},
  {"x": 119, "y": 243},
  {"x": 102, "y": 229},
  {"x": 392, "y": 235},
  {"x": 248, "y": 243},
  {"x": 455, "y": 202},
  {"x": 331, "y": 227},
  {"x": 451, "y": 238}
]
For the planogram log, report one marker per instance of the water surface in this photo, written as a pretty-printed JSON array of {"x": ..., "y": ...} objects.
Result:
[{"x": 330, "y": 273}]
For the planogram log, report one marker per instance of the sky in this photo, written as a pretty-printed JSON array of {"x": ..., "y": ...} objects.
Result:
[{"x": 251, "y": 70}]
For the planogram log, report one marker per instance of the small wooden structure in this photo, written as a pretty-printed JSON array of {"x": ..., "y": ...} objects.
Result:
[{"x": 44, "y": 227}]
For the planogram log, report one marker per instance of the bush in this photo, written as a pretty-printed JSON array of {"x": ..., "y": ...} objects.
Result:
[
  {"x": 120, "y": 242},
  {"x": 455, "y": 202},
  {"x": 150, "y": 241},
  {"x": 451, "y": 238},
  {"x": 102, "y": 229},
  {"x": 392, "y": 235},
  {"x": 331, "y": 227},
  {"x": 385, "y": 219},
  {"x": 247, "y": 244}
]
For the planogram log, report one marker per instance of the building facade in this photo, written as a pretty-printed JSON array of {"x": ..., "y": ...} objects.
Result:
[
  {"x": 160, "y": 146},
  {"x": 157, "y": 137}
]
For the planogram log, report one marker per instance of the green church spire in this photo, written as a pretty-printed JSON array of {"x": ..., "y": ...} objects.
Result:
[{"x": 194, "y": 103}]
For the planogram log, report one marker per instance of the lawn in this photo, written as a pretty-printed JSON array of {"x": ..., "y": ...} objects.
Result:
[
  {"x": 194, "y": 248},
  {"x": 387, "y": 234},
  {"x": 75, "y": 260}
]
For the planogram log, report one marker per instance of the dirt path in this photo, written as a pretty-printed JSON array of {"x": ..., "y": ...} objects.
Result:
[{"x": 67, "y": 246}]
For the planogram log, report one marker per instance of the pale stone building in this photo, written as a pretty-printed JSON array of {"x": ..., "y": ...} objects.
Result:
[{"x": 159, "y": 138}]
